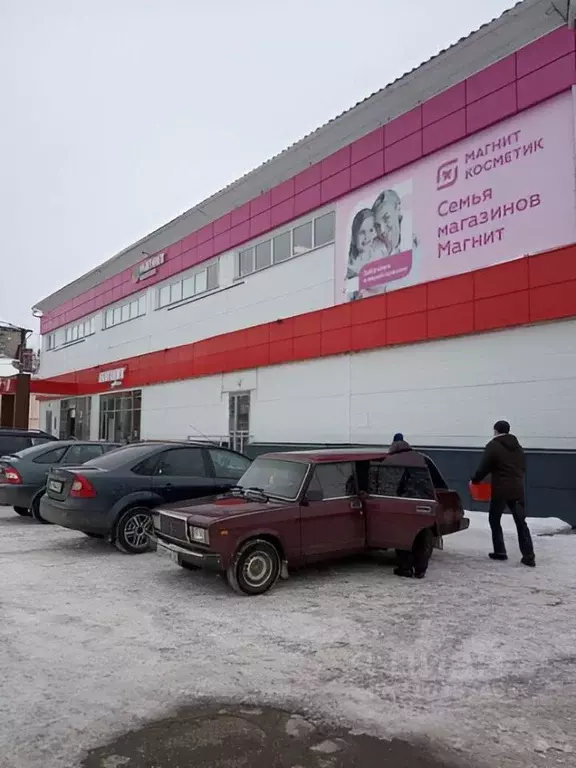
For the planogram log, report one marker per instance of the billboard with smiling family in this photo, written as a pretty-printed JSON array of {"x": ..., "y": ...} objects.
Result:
[{"x": 504, "y": 193}]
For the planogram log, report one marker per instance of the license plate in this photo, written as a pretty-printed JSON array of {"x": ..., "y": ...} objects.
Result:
[
  {"x": 165, "y": 552},
  {"x": 55, "y": 486}
]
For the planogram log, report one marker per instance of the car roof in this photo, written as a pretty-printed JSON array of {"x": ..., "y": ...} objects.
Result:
[
  {"x": 24, "y": 432},
  {"x": 330, "y": 455},
  {"x": 66, "y": 443}
]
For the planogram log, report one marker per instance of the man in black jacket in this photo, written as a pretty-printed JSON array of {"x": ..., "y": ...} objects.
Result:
[{"x": 505, "y": 462}]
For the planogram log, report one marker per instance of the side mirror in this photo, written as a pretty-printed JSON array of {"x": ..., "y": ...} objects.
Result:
[{"x": 314, "y": 495}]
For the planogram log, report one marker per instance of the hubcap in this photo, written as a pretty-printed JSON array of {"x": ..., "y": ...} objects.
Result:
[
  {"x": 257, "y": 569},
  {"x": 136, "y": 530}
]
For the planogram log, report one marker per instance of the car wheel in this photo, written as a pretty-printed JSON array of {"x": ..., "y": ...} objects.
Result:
[
  {"x": 35, "y": 509},
  {"x": 22, "y": 511},
  {"x": 132, "y": 531},
  {"x": 255, "y": 569}
]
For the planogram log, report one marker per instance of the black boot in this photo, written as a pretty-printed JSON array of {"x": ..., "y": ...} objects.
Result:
[
  {"x": 529, "y": 561},
  {"x": 406, "y": 572},
  {"x": 497, "y": 556}
]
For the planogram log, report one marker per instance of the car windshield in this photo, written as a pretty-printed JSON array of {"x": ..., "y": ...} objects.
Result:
[
  {"x": 275, "y": 477},
  {"x": 118, "y": 456}
]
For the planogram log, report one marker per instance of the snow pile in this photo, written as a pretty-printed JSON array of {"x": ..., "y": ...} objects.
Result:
[{"x": 478, "y": 656}]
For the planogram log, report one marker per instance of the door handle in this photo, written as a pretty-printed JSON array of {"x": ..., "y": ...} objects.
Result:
[
  {"x": 424, "y": 510},
  {"x": 356, "y": 505}
]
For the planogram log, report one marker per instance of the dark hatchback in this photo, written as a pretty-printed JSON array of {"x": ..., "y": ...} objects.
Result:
[
  {"x": 23, "y": 473},
  {"x": 13, "y": 439},
  {"x": 112, "y": 497}
]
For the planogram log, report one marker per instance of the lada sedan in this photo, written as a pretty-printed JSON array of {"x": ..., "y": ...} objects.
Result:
[{"x": 291, "y": 509}]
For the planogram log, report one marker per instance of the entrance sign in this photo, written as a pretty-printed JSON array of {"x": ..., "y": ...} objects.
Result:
[
  {"x": 113, "y": 377},
  {"x": 149, "y": 267}
]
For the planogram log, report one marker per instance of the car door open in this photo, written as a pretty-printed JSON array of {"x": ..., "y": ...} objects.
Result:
[{"x": 400, "y": 501}]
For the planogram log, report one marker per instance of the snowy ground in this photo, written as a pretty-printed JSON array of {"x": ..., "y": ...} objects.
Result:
[{"x": 479, "y": 657}]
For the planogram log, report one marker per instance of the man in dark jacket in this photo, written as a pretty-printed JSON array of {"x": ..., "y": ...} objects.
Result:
[{"x": 505, "y": 462}]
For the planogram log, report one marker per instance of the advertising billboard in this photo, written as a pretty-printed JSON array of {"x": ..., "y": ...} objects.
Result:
[{"x": 506, "y": 192}]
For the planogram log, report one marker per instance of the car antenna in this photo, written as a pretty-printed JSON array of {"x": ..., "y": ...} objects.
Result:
[{"x": 205, "y": 437}]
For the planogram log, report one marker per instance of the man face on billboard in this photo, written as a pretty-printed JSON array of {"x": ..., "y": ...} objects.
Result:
[{"x": 388, "y": 220}]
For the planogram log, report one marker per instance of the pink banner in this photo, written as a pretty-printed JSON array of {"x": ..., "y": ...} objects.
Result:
[{"x": 507, "y": 192}]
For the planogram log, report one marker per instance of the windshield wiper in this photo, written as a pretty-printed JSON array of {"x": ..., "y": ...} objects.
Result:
[{"x": 256, "y": 492}]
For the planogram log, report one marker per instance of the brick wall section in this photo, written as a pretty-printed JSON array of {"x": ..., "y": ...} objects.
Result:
[
  {"x": 533, "y": 74},
  {"x": 535, "y": 289}
]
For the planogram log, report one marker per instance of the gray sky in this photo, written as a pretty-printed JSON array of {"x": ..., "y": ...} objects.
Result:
[{"x": 118, "y": 115}]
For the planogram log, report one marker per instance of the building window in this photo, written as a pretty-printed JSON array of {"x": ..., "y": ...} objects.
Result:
[
  {"x": 263, "y": 254},
  {"x": 76, "y": 331},
  {"x": 302, "y": 239},
  {"x": 202, "y": 280},
  {"x": 125, "y": 312},
  {"x": 51, "y": 341},
  {"x": 282, "y": 247},
  {"x": 324, "y": 229},
  {"x": 311, "y": 234},
  {"x": 120, "y": 416}
]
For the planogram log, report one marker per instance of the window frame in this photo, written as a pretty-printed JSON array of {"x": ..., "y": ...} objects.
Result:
[
  {"x": 213, "y": 465},
  {"x": 124, "y": 311},
  {"x": 198, "y": 449},
  {"x": 319, "y": 465},
  {"x": 245, "y": 259},
  {"x": 404, "y": 468},
  {"x": 211, "y": 273}
]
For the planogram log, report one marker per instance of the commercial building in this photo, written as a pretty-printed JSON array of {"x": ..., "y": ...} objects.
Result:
[{"x": 409, "y": 266}]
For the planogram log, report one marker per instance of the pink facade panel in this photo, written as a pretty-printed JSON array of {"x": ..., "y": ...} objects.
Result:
[
  {"x": 402, "y": 126},
  {"x": 491, "y": 79},
  {"x": 544, "y": 51},
  {"x": 492, "y": 108},
  {"x": 444, "y": 104},
  {"x": 367, "y": 145}
]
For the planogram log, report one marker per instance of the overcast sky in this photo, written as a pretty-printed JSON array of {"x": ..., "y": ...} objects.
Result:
[{"x": 118, "y": 115}]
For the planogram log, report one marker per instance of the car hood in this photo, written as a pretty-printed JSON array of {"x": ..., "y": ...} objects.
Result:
[{"x": 208, "y": 510}]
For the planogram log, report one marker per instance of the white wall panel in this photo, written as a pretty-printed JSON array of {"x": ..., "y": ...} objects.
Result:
[
  {"x": 445, "y": 393},
  {"x": 302, "y": 284},
  {"x": 194, "y": 408}
]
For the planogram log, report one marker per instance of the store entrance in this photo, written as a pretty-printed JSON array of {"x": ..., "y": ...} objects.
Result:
[
  {"x": 120, "y": 416},
  {"x": 75, "y": 418}
]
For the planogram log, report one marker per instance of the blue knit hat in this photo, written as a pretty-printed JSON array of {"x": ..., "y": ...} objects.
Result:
[{"x": 398, "y": 437}]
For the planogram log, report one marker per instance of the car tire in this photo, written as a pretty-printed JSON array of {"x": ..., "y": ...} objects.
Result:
[
  {"x": 255, "y": 569},
  {"x": 132, "y": 531},
  {"x": 35, "y": 509},
  {"x": 22, "y": 511}
]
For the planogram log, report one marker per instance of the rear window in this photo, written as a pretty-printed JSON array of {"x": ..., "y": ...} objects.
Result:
[
  {"x": 35, "y": 450},
  {"x": 10, "y": 444},
  {"x": 124, "y": 455}
]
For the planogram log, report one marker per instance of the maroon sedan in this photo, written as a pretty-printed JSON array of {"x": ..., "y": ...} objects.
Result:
[{"x": 291, "y": 509}]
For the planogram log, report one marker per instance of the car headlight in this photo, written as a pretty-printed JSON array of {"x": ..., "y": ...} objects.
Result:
[{"x": 199, "y": 534}]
